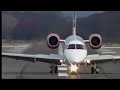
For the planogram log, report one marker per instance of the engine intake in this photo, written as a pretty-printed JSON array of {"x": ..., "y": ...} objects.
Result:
[
  {"x": 95, "y": 41},
  {"x": 53, "y": 40}
]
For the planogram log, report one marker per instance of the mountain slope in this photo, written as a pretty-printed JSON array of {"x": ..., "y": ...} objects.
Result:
[{"x": 37, "y": 25}]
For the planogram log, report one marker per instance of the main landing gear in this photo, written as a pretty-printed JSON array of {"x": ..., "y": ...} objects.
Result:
[
  {"x": 94, "y": 68},
  {"x": 53, "y": 68}
]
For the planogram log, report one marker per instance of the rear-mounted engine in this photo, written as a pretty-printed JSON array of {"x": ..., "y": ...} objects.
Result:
[
  {"x": 95, "y": 41},
  {"x": 53, "y": 40}
]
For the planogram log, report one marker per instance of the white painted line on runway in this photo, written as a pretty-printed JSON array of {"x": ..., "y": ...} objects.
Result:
[
  {"x": 13, "y": 50},
  {"x": 62, "y": 65},
  {"x": 105, "y": 50},
  {"x": 62, "y": 68},
  {"x": 108, "y": 52},
  {"x": 62, "y": 74},
  {"x": 110, "y": 47},
  {"x": 14, "y": 46}
]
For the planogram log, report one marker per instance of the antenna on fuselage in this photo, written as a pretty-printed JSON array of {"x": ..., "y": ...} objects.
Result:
[{"x": 74, "y": 23}]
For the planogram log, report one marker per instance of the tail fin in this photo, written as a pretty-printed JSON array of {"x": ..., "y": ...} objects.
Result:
[{"x": 74, "y": 23}]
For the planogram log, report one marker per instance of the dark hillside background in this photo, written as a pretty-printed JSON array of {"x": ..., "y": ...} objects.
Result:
[{"x": 36, "y": 25}]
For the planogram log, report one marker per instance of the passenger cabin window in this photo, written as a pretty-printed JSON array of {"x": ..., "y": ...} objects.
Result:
[{"x": 75, "y": 46}]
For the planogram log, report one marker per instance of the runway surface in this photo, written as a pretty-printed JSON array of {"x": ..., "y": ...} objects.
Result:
[{"x": 13, "y": 69}]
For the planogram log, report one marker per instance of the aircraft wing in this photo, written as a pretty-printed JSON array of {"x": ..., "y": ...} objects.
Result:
[
  {"x": 38, "y": 57},
  {"x": 103, "y": 58}
]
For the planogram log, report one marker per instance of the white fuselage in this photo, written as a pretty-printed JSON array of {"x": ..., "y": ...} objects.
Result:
[{"x": 75, "y": 54}]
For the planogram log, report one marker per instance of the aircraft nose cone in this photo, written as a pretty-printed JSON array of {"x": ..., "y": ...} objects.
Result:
[{"x": 75, "y": 55}]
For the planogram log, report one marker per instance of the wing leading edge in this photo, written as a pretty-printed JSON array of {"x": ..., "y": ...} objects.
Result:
[
  {"x": 38, "y": 57},
  {"x": 103, "y": 58}
]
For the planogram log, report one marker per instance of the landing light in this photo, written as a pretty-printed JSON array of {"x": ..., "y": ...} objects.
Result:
[
  {"x": 73, "y": 68},
  {"x": 61, "y": 61},
  {"x": 88, "y": 61}
]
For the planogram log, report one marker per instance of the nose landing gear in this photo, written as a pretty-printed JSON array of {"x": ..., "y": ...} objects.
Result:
[{"x": 94, "y": 68}]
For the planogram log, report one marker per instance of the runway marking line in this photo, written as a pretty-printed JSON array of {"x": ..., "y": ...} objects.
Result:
[
  {"x": 62, "y": 74},
  {"x": 111, "y": 47},
  {"x": 108, "y": 52},
  {"x": 62, "y": 68}
]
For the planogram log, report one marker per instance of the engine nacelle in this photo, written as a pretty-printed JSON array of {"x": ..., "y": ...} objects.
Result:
[
  {"x": 95, "y": 41},
  {"x": 53, "y": 40}
]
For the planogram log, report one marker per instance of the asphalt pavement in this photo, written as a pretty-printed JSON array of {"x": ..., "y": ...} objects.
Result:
[{"x": 18, "y": 69}]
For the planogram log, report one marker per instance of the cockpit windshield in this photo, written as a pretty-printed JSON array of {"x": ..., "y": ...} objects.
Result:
[
  {"x": 75, "y": 46},
  {"x": 78, "y": 46},
  {"x": 71, "y": 46}
]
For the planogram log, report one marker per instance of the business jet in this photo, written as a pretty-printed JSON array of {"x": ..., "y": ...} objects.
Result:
[{"x": 74, "y": 52}]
